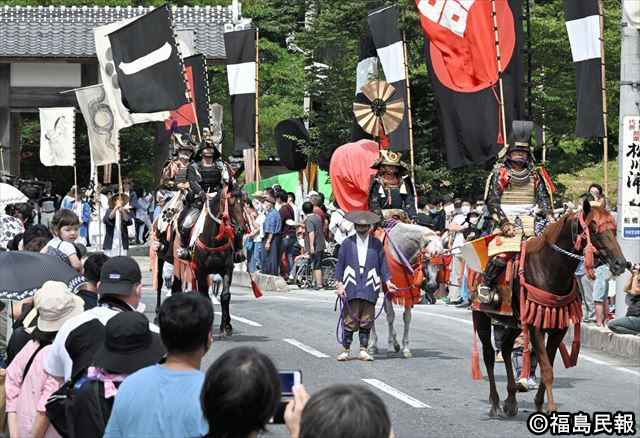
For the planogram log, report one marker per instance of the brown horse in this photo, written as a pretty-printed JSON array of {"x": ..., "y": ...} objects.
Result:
[
  {"x": 214, "y": 250},
  {"x": 548, "y": 276}
]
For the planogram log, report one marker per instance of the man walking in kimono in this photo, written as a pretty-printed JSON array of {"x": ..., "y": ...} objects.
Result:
[{"x": 361, "y": 270}]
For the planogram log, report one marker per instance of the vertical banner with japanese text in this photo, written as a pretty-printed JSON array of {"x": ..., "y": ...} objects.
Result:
[{"x": 630, "y": 184}]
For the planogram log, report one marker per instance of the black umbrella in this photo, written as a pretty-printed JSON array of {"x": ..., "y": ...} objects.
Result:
[{"x": 22, "y": 273}]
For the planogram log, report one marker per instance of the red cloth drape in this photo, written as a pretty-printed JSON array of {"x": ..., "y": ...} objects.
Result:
[{"x": 350, "y": 173}]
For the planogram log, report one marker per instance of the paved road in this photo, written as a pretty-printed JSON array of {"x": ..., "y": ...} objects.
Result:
[{"x": 431, "y": 394}]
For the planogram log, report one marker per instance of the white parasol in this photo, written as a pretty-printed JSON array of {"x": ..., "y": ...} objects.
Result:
[{"x": 10, "y": 195}]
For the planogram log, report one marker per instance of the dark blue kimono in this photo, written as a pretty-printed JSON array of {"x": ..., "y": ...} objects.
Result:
[{"x": 376, "y": 271}]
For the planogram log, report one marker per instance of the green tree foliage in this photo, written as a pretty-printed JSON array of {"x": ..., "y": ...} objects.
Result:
[{"x": 288, "y": 50}]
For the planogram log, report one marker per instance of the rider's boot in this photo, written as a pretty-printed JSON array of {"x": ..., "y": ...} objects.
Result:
[
  {"x": 486, "y": 291},
  {"x": 364, "y": 345},
  {"x": 346, "y": 346},
  {"x": 184, "y": 252}
]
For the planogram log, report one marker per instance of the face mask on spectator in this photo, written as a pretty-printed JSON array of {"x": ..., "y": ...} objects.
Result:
[
  {"x": 434, "y": 210},
  {"x": 480, "y": 208},
  {"x": 473, "y": 220},
  {"x": 449, "y": 209},
  {"x": 465, "y": 209}
]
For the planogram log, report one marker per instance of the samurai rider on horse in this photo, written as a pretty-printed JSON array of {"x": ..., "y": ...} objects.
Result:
[
  {"x": 514, "y": 189},
  {"x": 391, "y": 193},
  {"x": 207, "y": 176}
]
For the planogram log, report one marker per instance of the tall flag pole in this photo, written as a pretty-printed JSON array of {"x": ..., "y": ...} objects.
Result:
[
  {"x": 504, "y": 123},
  {"x": 383, "y": 23},
  {"x": 605, "y": 138},
  {"x": 257, "y": 110},
  {"x": 410, "y": 121}
]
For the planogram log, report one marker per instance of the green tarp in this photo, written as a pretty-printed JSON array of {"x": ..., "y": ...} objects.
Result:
[{"x": 289, "y": 183}]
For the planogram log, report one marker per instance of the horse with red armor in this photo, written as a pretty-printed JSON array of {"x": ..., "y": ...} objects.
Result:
[{"x": 540, "y": 296}]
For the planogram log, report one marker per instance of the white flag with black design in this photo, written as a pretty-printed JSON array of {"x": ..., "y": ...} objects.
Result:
[
  {"x": 583, "y": 26},
  {"x": 240, "y": 47},
  {"x": 57, "y": 136},
  {"x": 122, "y": 116},
  {"x": 101, "y": 127},
  {"x": 366, "y": 70},
  {"x": 147, "y": 60},
  {"x": 383, "y": 24}
]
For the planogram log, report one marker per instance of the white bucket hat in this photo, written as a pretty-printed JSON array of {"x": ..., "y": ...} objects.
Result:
[{"x": 57, "y": 305}]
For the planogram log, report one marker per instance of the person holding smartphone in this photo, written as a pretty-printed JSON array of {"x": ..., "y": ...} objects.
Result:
[{"x": 630, "y": 323}]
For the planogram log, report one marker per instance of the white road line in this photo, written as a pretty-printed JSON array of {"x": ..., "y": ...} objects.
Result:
[
  {"x": 397, "y": 394},
  {"x": 452, "y": 318},
  {"x": 304, "y": 347},
  {"x": 243, "y": 320},
  {"x": 602, "y": 362}
]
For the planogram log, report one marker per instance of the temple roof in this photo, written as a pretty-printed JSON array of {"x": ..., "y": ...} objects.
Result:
[{"x": 66, "y": 32}]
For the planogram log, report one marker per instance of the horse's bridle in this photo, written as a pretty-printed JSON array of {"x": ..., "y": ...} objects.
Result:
[{"x": 578, "y": 238}]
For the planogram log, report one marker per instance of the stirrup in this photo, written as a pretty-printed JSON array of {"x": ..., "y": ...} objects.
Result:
[
  {"x": 488, "y": 295},
  {"x": 184, "y": 254}
]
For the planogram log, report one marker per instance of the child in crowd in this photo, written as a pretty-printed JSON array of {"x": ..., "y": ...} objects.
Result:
[{"x": 65, "y": 225}]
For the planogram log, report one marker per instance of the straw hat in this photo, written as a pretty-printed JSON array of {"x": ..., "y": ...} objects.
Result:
[
  {"x": 362, "y": 217},
  {"x": 114, "y": 198}
]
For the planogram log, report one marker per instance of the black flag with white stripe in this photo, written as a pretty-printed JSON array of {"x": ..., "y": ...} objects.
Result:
[
  {"x": 583, "y": 26},
  {"x": 148, "y": 65},
  {"x": 240, "y": 47},
  {"x": 383, "y": 23},
  {"x": 365, "y": 71}
]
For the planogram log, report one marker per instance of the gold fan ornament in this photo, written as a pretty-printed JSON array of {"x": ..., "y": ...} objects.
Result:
[{"x": 379, "y": 110}]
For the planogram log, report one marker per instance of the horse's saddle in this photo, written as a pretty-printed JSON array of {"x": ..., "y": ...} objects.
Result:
[{"x": 504, "y": 288}]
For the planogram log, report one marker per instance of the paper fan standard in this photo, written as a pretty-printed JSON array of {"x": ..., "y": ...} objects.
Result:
[{"x": 379, "y": 110}]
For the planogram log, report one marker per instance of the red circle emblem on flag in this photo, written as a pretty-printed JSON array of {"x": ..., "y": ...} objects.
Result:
[{"x": 462, "y": 40}]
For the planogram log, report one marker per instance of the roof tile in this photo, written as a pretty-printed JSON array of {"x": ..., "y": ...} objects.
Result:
[{"x": 66, "y": 32}]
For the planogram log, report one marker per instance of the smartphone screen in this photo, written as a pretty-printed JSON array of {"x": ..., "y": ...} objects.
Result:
[{"x": 289, "y": 379}]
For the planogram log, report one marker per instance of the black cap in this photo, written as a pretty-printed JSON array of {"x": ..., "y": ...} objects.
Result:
[
  {"x": 128, "y": 344},
  {"x": 118, "y": 275}
]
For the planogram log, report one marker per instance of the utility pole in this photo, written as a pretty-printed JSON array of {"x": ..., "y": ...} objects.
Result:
[{"x": 629, "y": 106}]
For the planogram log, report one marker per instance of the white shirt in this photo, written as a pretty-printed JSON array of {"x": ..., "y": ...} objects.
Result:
[
  {"x": 458, "y": 237},
  {"x": 362, "y": 246},
  {"x": 296, "y": 213},
  {"x": 337, "y": 220},
  {"x": 58, "y": 362},
  {"x": 259, "y": 222}
]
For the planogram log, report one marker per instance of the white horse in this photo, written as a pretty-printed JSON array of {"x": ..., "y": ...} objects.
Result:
[{"x": 410, "y": 240}]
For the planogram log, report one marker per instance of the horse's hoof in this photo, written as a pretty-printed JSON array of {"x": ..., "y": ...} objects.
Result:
[
  {"x": 391, "y": 354},
  {"x": 226, "y": 331},
  {"x": 495, "y": 412},
  {"x": 510, "y": 409},
  {"x": 397, "y": 348},
  {"x": 407, "y": 354},
  {"x": 373, "y": 350}
]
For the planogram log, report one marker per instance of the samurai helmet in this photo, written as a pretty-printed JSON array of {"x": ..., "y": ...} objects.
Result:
[
  {"x": 388, "y": 158},
  {"x": 209, "y": 142},
  {"x": 520, "y": 137},
  {"x": 184, "y": 142}
]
